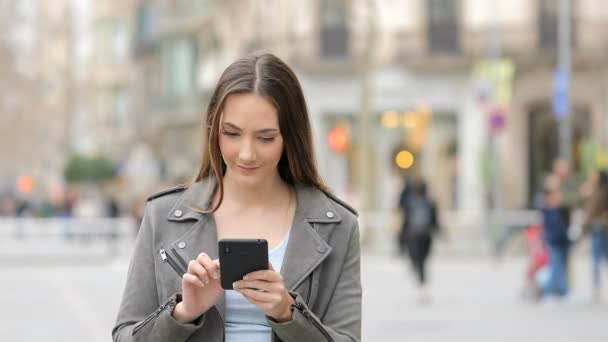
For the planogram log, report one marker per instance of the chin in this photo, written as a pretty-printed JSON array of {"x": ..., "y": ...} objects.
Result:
[{"x": 247, "y": 180}]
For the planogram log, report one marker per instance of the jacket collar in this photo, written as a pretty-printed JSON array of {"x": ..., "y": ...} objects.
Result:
[{"x": 313, "y": 204}]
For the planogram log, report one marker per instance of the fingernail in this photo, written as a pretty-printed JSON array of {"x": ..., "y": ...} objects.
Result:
[
  {"x": 216, "y": 274},
  {"x": 245, "y": 277},
  {"x": 235, "y": 285},
  {"x": 206, "y": 281}
]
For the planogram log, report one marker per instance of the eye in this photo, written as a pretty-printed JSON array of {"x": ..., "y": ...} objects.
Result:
[
  {"x": 230, "y": 134},
  {"x": 266, "y": 139}
]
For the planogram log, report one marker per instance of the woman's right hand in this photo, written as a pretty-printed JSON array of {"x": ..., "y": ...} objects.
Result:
[{"x": 201, "y": 289}]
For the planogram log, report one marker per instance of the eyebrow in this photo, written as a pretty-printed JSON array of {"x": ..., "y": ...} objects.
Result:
[{"x": 263, "y": 130}]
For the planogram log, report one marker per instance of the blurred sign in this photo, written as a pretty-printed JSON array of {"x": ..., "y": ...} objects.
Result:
[
  {"x": 497, "y": 120},
  {"x": 561, "y": 95},
  {"x": 496, "y": 76}
]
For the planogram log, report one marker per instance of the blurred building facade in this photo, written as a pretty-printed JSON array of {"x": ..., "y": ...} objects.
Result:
[
  {"x": 36, "y": 81},
  {"x": 110, "y": 104},
  {"x": 131, "y": 80},
  {"x": 358, "y": 60},
  {"x": 67, "y": 82}
]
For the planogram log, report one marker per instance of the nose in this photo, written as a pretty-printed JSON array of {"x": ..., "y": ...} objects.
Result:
[{"x": 247, "y": 151}]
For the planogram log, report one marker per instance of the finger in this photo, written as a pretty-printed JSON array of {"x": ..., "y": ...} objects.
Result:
[
  {"x": 189, "y": 278},
  {"x": 209, "y": 265},
  {"x": 195, "y": 268},
  {"x": 260, "y": 296},
  {"x": 266, "y": 275},
  {"x": 216, "y": 262},
  {"x": 259, "y": 285}
]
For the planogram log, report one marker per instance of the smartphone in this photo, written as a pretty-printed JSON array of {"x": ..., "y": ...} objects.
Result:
[{"x": 239, "y": 257}]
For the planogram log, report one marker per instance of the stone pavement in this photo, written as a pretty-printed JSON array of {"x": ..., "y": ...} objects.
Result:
[{"x": 473, "y": 299}]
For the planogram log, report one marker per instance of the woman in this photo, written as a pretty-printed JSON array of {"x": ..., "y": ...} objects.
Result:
[
  {"x": 596, "y": 223},
  {"x": 257, "y": 179}
]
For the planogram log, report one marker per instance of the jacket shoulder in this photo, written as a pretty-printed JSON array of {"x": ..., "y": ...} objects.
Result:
[
  {"x": 175, "y": 189},
  {"x": 341, "y": 203}
]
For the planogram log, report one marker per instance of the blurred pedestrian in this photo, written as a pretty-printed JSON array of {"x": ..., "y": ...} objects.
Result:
[
  {"x": 8, "y": 206},
  {"x": 569, "y": 185},
  {"x": 66, "y": 212},
  {"x": 112, "y": 207},
  {"x": 555, "y": 230},
  {"x": 257, "y": 180},
  {"x": 419, "y": 225},
  {"x": 596, "y": 224},
  {"x": 406, "y": 191}
]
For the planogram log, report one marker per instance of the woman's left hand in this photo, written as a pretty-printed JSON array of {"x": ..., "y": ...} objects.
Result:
[{"x": 266, "y": 290}]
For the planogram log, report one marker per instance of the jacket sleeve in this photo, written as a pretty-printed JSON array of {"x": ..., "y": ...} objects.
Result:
[
  {"x": 342, "y": 321},
  {"x": 141, "y": 317}
]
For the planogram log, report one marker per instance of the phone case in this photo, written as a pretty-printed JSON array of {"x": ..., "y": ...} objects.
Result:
[{"x": 239, "y": 257}]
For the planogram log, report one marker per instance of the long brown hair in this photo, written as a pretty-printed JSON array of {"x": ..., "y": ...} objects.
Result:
[{"x": 268, "y": 76}]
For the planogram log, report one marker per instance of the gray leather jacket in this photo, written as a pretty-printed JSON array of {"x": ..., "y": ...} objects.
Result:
[{"x": 321, "y": 270}]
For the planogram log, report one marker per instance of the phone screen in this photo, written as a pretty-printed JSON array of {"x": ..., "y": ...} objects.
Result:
[{"x": 239, "y": 257}]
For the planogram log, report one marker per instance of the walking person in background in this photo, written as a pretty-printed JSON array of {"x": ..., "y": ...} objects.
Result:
[
  {"x": 555, "y": 230},
  {"x": 596, "y": 224},
  {"x": 569, "y": 184},
  {"x": 408, "y": 185},
  {"x": 419, "y": 225},
  {"x": 257, "y": 180}
]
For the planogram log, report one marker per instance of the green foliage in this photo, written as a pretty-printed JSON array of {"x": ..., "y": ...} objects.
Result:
[{"x": 80, "y": 169}]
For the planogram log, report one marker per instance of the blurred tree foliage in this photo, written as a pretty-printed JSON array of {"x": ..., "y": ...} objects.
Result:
[
  {"x": 80, "y": 169},
  {"x": 593, "y": 156}
]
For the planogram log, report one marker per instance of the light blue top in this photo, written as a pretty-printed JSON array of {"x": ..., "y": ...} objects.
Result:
[{"x": 246, "y": 322}]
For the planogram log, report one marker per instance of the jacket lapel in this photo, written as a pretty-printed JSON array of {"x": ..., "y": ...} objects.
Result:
[
  {"x": 203, "y": 235},
  {"x": 307, "y": 246}
]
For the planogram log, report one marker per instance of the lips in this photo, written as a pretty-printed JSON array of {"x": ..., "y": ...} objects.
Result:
[{"x": 247, "y": 169}]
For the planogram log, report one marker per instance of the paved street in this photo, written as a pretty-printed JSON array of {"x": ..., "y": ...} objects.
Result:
[{"x": 472, "y": 300}]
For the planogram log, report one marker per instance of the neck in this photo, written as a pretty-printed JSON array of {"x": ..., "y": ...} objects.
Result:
[{"x": 265, "y": 193}]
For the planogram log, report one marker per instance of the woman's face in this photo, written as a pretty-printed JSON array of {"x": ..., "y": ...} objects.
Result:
[{"x": 250, "y": 141}]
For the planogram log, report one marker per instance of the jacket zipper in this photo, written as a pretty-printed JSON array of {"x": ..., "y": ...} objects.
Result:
[
  {"x": 304, "y": 312},
  {"x": 167, "y": 258},
  {"x": 179, "y": 258},
  {"x": 153, "y": 316},
  {"x": 309, "y": 289}
]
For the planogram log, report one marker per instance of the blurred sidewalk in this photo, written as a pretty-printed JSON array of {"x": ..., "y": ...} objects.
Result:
[{"x": 472, "y": 300}]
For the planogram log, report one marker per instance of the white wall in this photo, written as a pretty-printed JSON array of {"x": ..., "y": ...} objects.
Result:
[
  {"x": 481, "y": 14},
  {"x": 593, "y": 9}
]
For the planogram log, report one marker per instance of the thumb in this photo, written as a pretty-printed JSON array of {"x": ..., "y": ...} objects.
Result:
[{"x": 216, "y": 263}]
